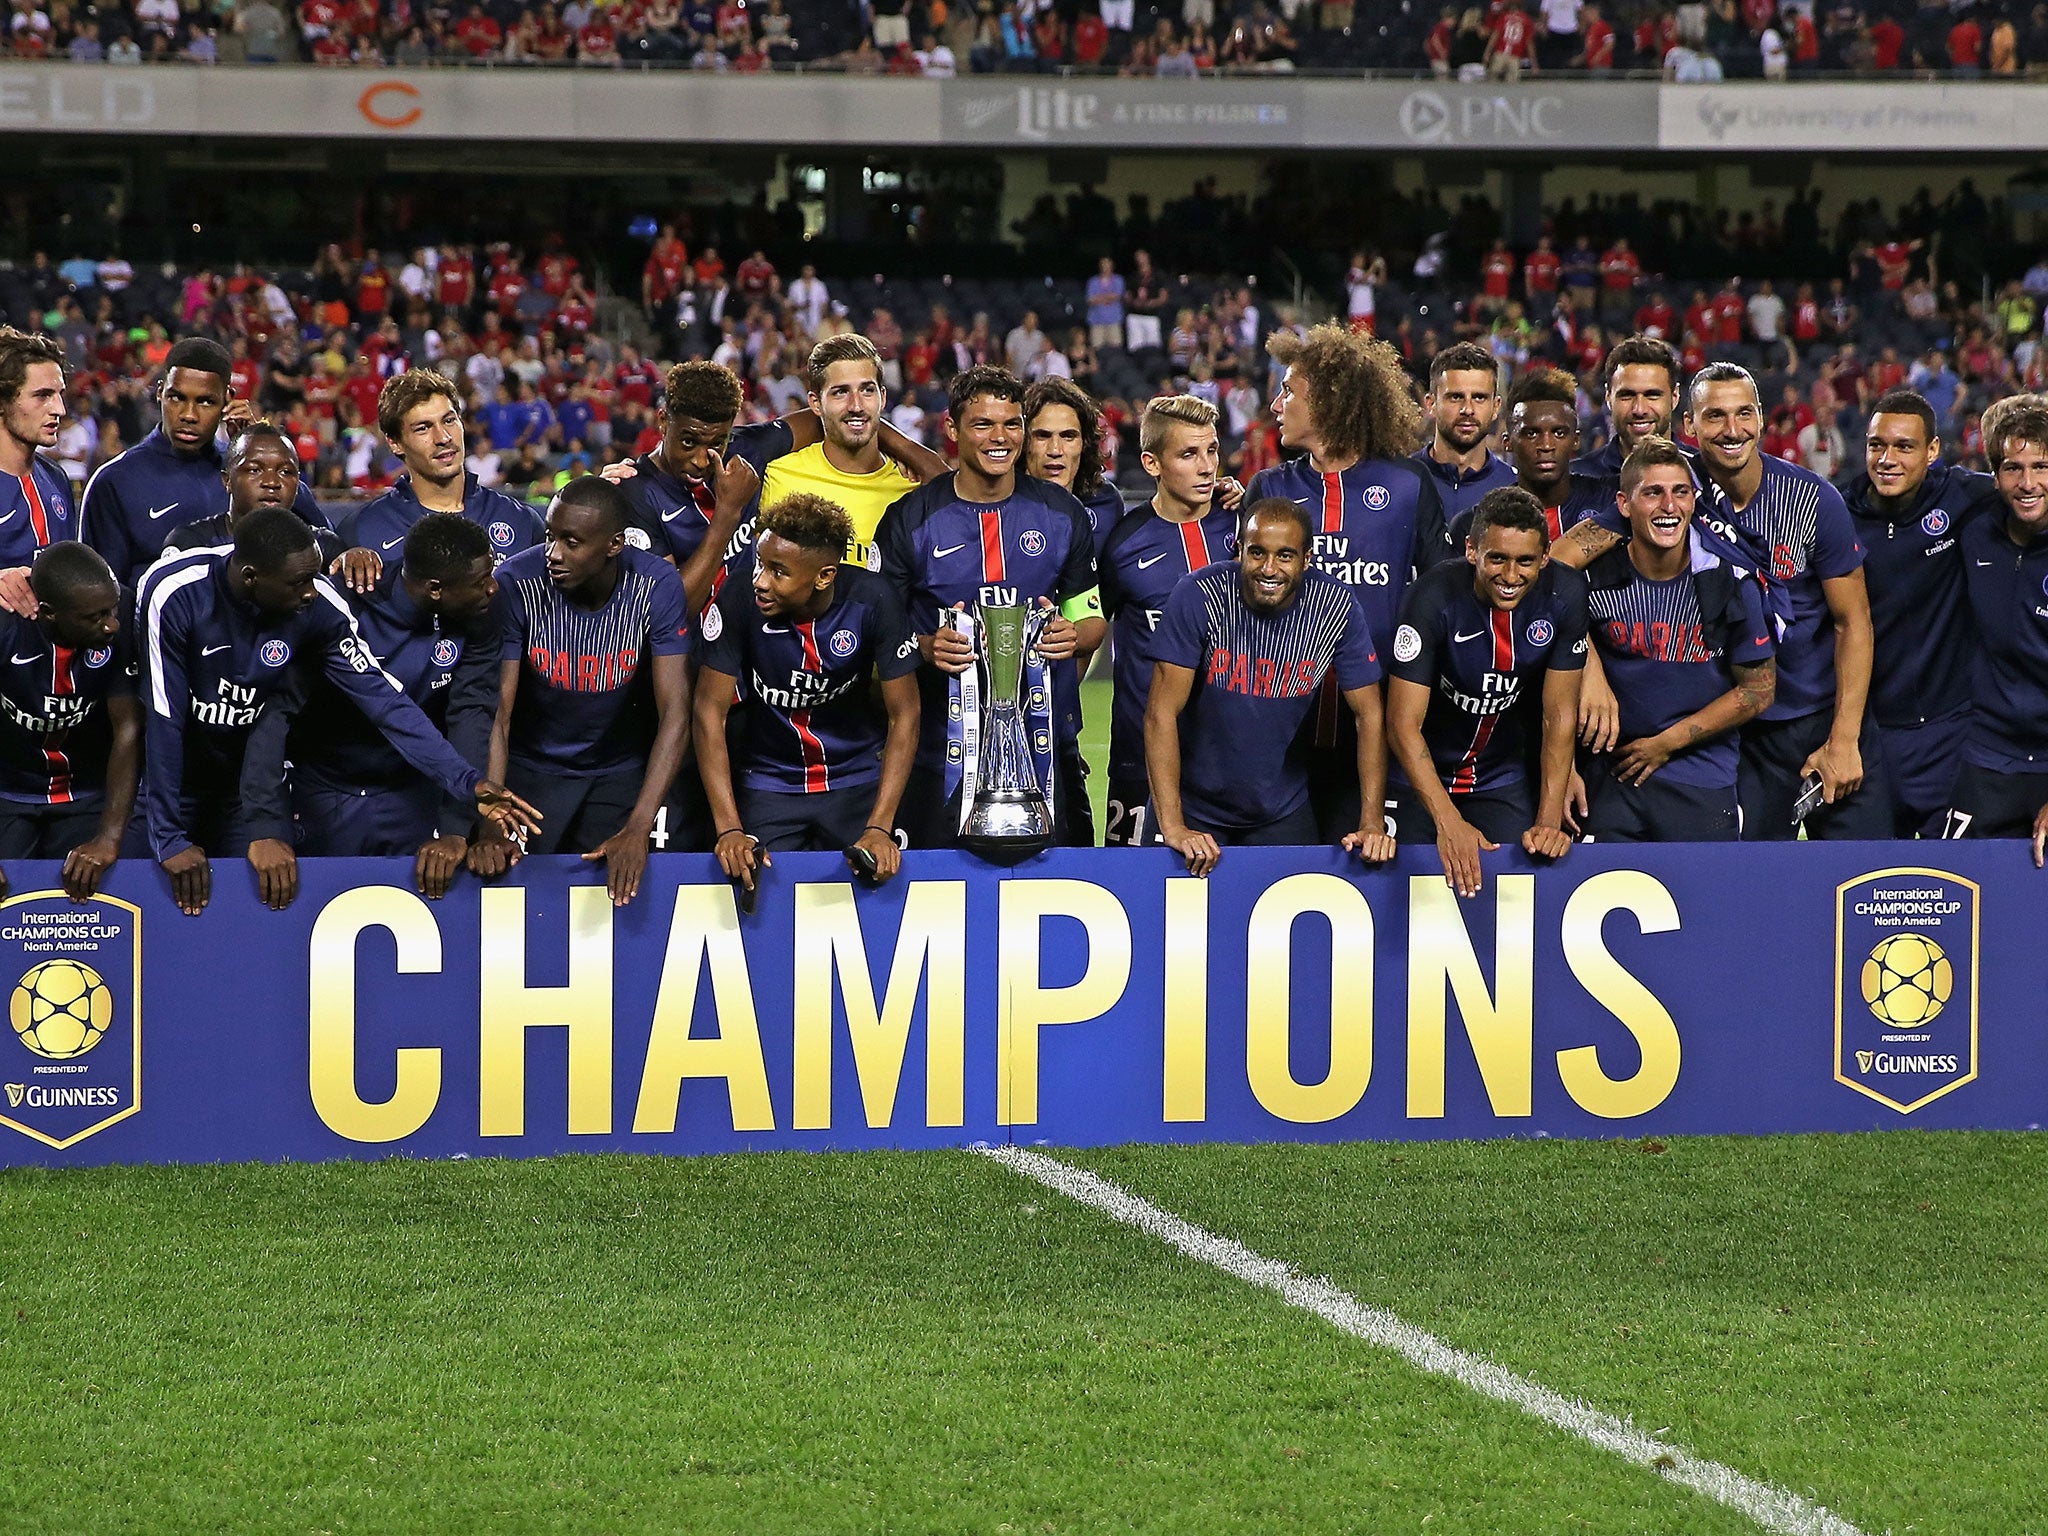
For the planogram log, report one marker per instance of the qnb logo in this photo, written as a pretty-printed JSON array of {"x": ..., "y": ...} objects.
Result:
[
  {"x": 390, "y": 104},
  {"x": 1430, "y": 117}
]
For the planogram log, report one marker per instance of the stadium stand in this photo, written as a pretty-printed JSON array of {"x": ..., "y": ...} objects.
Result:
[{"x": 1729, "y": 39}]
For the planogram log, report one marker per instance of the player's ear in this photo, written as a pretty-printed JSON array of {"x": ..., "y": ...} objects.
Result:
[{"x": 1471, "y": 552}]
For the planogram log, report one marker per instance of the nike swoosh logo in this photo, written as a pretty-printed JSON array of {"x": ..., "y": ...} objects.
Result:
[
  {"x": 950, "y": 549},
  {"x": 390, "y": 543},
  {"x": 1305, "y": 501},
  {"x": 669, "y": 517},
  {"x": 9, "y": 517},
  {"x": 211, "y": 649},
  {"x": 1473, "y": 636},
  {"x": 22, "y": 661},
  {"x": 1983, "y": 562},
  {"x": 157, "y": 512},
  {"x": 774, "y": 629},
  {"x": 1146, "y": 565}
]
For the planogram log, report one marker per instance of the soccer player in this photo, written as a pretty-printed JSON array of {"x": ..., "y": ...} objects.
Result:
[
  {"x": 1343, "y": 406},
  {"x": 420, "y": 414},
  {"x": 1184, "y": 529},
  {"x": 820, "y": 766},
  {"x": 2002, "y": 787},
  {"x": 70, "y": 728},
  {"x": 35, "y": 495},
  {"x": 1688, "y": 651},
  {"x": 1478, "y": 638},
  {"x": 590, "y": 626},
  {"x": 260, "y": 469},
  {"x": 1542, "y": 439},
  {"x": 1063, "y": 444},
  {"x": 1463, "y": 403},
  {"x": 1239, "y": 658},
  {"x": 984, "y": 534},
  {"x": 220, "y": 630},
  {"x": 1911, "y": 510},
  {"x": 175, "y": 474},
  {"x": 353, "y": 794},
  {"x": 1642, "y": 398}
]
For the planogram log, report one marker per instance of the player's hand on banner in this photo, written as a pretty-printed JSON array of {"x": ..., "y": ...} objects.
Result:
[
  {"x": 493, "y": 853},
  {"x": 505, "y": 810},
  {"x": 882, "y": 848},
  {"x": 1599, "y": 714},
  {"x": 1548, "y": 842},
  {"x": 85, "y": 866},
  {"x": 357, "y": 569},
  {"x": 619, "y": 473},
  {"x": 1576, "y": 804},
  {"x": 277, "y": 872},
  {"x": 1840, "y": 766},
  {"x": 1229, "y": 493},
  {"x": 440, "y": 860},
  {"x": 191, "y": 880},
  {"x": 16, "y": 595},
  {"x": 624, "y": 856},
  {"x": 1459, "y": 844},
  {"x": 734, "y": 483},
  {"x": 1059, "y": 639},
  {"x": 1197, "y": 848},
  {"x": 1372, "y": 845},
  {"x": 1634, "y": 763},
  {"x": 952, "y": 649},
  {"x": 739, "y": 855}
]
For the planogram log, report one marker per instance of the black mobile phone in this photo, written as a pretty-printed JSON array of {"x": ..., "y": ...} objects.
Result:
[
  {"x": 750, "y": 895},
  {"x": 864, "y": 863},
  {"x": 1809, "y": 798}
]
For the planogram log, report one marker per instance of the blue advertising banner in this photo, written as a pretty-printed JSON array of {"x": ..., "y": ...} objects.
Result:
[{"x": 1087, "y": 997}]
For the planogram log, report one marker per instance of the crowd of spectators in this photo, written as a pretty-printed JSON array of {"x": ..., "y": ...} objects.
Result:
[
  {"x": 552, "y": 394},
  {"x": 1502, "y": 39}
]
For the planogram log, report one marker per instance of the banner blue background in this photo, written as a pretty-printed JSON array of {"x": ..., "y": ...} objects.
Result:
[{"x": 246, "y": 1021}]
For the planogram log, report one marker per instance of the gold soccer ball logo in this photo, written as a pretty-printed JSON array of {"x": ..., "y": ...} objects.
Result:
[
  {"x": 1906, "y": 980},
  {"x": 61, "y": 1008}
]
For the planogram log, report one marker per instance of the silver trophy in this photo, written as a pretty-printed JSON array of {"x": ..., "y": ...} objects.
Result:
[{"x": 1004, "y": 817}]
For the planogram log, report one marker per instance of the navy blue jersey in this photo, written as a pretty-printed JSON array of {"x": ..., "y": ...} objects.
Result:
[
  {"x": 811, "y": 719},
  {"x": 54, "y": 734},
  {"x": 1459, "y": 490},
  {"x": 937, "y": 550},
  {"x": 35, "y": 511},
  {"x": 2008, "y": 587},
  {"x": 1105, "y": 510},
  {"x": 1144, "y": 557},
  {"x": 674, "y": 514},
  {"x": 212, "y": 665},
  {"x": 1670, "y": 647},
  {"x": 1919, "y": 604},
  {"x": 1604, "y": 465},
  {"x": 1376, "y": 524},
  {"x": 584, "y": 708},
  {"x": 1585, "y": 497},
  {"x": 451, "y": 674},
  {"x": 1243, "y": 760},
  {"x": 213, "y": 533},
  {"x": 136, "y": 498},
  {"x": 1479, "y": 662},
  {"x": 382, "y": 525}
]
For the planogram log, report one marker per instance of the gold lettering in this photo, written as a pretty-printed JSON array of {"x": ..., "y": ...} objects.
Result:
[
  {"x": 511, "y": 1008},
  {"x": 1502, "y": 1025},
  {"x": 705, "y": 929},
  {"x": 1022, "y": 1005},
  {"x": 331, "y": 1014},
  {"x": 1269, "y": 955},
  {"x": 1621, "y": 994}
]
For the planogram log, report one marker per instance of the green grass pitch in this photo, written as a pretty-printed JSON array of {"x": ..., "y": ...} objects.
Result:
[{"x": 927, "y": 1342}]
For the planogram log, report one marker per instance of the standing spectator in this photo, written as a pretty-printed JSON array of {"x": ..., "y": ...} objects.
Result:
[
  {"x": 1596, "y": 53},
  {"x": 1540, "y": 273},
  {"x": 1361, "y": 292},
  {"x": 808, "y": 297},
  {"x": 1560, "y": 41},
  {"x": 1511, "y": 47},
  {"x": 1024, "y": 343},
  {"x": 1437, "y": 47},
  {"x": 1966, "y": 46},
  {"x": 1619, "y": 270},
  {"x": 756, "y": 280},
  {"x": 1106, "y": 306},
  {"x": 1145, "y": 302}
]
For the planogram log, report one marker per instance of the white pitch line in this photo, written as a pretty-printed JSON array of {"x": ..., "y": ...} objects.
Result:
[{"x": 1775, "y": 1509}]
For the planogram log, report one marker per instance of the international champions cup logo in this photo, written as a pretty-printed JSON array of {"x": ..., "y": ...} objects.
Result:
[
  {"x": 1906, "y": 985},
  {"x": 71, "y": 1059}
]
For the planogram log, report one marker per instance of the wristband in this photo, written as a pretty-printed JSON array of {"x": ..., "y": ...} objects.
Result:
[
  {"x": 734, "y": 832},
  {"x": 885, "y": 831}
]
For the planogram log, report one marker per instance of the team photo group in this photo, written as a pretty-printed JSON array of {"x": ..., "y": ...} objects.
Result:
[{"x": 1434, "y": 621}]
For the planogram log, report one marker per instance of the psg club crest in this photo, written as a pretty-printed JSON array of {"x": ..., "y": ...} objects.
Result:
[
  {"x": 1031, "y": 541},
  {"x": 445, "y": 652},
  {"x": 1934, "y": 524},
  {"x": 1906, "y": 985},
  {"x": 99, "y": 656},
  {"x": 1540, "y": 632},
  {"x": 842, "y": 643},
  {"x": 501, "y": 535},
  {"x": 1377, "y": 497},
  {"x": 274, "y": 653},
  {"x": 71, "y": 1058}
]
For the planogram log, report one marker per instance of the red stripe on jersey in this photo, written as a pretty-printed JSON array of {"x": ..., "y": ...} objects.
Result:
[
  {"x": 992, "y": 546},
  {"x": 808, "y": 633},
  {"x": 62, "y": 683},
  {"x": 705, "y": 498},
  {"x": 62, "y": 679},
  {"x": 1553, "y": 522},
  {"x": 1333, "y": 503},
  {"x": 38, "y": 514},
  {"x": 1195, "y": 544},
  {"x": 1466, "y": 776},
  {"x": 816, "y": 777}
]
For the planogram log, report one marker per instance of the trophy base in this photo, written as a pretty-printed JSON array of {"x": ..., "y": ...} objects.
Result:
[{"x": 1008, "y": 827}]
